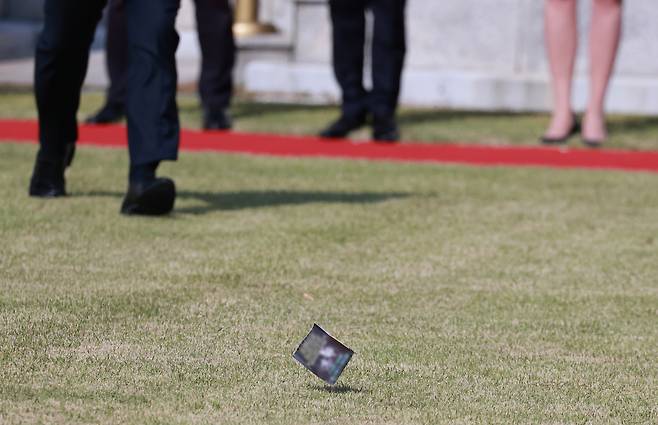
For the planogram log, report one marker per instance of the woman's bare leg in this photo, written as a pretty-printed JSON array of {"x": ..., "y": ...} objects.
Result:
[
  {"x": 561, "y": 44},
  {"x": 603, "y": 45}
]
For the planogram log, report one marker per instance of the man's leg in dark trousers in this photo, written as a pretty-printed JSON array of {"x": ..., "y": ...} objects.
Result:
[
  {"x": 153, "y": 128},
  {"x": 388, "y": 53},
  {"x": 349, "y": 27},
  {"x": 215, "y": 28},
  {"x": 116, "y": 61},
  {"x": 116, "y": 51},
  {"x": 62, "y": 55},
  {"x": 151, "y": 110}
]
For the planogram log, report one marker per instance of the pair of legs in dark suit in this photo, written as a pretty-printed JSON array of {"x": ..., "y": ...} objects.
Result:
[
  {"x": 214, "y": 23},
  {"x": 153, "y": 130},
  {"x": 388, "y": 53}
]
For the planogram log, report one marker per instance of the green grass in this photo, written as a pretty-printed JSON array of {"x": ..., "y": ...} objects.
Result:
[
  {"x": 470, "y": 295},
  {"x": 424, "y": 125}
]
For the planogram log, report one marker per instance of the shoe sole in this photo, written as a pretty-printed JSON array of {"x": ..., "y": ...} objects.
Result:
[
  {"x": 156, "y": 200},
  {"x": 47, "y": 194}
]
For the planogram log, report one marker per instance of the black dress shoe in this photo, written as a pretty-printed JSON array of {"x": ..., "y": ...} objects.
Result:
[
  {"x": 343, "y": 126},
  {"x": 216, "y": 120},
  {"x": 385, "y": 129},
  {"x": 108, "y": 114},
  {"x": 155, "y": 197},
  {"x": 552, "y": 141},
  {"x": 48, "y": 176}
]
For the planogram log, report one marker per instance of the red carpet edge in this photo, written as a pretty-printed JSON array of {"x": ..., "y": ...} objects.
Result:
[{"x": 306, "y": 147}]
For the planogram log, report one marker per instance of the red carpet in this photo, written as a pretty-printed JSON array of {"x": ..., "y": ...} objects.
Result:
[{"x": 293, "y": 146}]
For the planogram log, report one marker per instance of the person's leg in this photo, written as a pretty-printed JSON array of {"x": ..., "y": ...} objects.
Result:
[
  {"x": 151, "y": 110},
  {"x": 348, "y": 34},
  {"x": 117, "y": 52},
  {"x": 116, "y": 61},
  {"x": 388, "y": 53},
  {"x": 215, "y": 28},
  {"x": 603, "y": 44},
  {"x": 349, "y": 28},
  {"x": 62, "y": 55},
  {"x": 153, "y": 127},
  {"x": 561, "y": 34}
]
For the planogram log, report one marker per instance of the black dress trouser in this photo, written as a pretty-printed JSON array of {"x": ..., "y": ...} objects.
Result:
[
  {"x": 388, "y": 53},
  {"x": 215, "y": 29},
  {"x": 61, "y": 63}
]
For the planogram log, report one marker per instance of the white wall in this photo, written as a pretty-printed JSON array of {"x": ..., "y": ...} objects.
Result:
[{"x": 483, "y": 54}]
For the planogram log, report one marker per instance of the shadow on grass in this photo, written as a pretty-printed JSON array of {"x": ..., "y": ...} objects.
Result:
[
  {"x": 337, "y": 389},
  {"x": 230, "y": 201},
  {"x": 227, "y": 201}
]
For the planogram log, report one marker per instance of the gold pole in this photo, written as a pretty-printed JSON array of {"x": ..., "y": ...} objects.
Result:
[{"x": 246, "y": 20}]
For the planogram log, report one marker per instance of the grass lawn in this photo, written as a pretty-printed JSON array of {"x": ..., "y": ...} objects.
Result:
[
  {"x": 471, "y": 295},
  {"x": 423, "y": 125}
]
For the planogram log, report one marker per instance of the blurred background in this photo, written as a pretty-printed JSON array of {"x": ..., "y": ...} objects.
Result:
[{"x": 485, "y": 55}]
